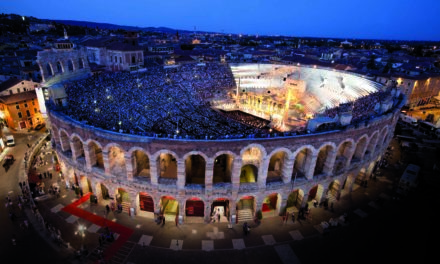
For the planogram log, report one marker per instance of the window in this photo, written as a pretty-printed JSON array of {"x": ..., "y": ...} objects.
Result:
[
  {"x": 33, "y": 103},
  {"x": 18, "y": 90},
  {"x": 35, "y": 110},
  {"x": 120, "y": 59},
  {"x": 25, "y": 105},
  {"x": 116, "y": 59},
  {"x": 10, "y": 91},
  {"x": 20, "y": 115},
  {"x": 111, "y": 59},
  {"x": 28, "y": 113},
  {"x": 17, "y": 106},
  {"x": 24, "y": 89}
]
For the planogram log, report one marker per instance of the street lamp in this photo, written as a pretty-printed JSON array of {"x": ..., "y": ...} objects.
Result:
[{"x": 81, "y": 233}]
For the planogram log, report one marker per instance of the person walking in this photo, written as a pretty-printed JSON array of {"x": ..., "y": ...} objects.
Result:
[
  {"x": 163, "y": 220},
  {"x": 293, "y": 217}
]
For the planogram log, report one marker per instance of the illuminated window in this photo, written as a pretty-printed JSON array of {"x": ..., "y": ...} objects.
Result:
[{"x": 20, "y": 115}]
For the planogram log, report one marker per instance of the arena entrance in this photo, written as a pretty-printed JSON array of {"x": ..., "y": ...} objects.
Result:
[
  {"x": 123, "y": 200},
  {"x": 169, "y": 208},
  {"x": 271, "y": 205},
  {"x": 249, "y": 173},
  {"x": 146, "y": 205},
  {"x": 85, "y": 184},
  {"x": 245, "y": 209},
  {"x": 104, "y": 192},
  {"x": 194, "y": 211},
  {"x": 315, "y": 194},
  {"x": 294, "y": 201},
  {"x": 220, "y": 207}
]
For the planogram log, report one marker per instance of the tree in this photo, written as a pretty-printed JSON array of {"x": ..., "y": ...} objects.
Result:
[{"x": 371, "y": 65}]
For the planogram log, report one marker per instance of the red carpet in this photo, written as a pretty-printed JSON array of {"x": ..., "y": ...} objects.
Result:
[{"x": 124, "y": 232}]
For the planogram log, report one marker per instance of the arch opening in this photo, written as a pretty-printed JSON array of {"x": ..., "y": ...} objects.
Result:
[
  {"x": 141, "y": 165},
  {"x": 223, "y": 168},
  {"x": 167, "y": 167},
  {"x": 195, "y": 166}
]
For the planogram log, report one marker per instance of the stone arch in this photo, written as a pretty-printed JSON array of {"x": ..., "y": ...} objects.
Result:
[
  {"x": 223, "y": 166},
  {"x": 334, "y": 189},
  {"x": 316, "y": 193},
  {"x": 245, "y": 208},
  {"x": 123, "y": 199},
  {"x": 195, "y": 168},
  {"x": 248, "y": 173},
  {"x": 85, "y": 184},
  {"x": 140, "y": 162},
  {"x": 271, "y": 204},
  {"x": 360, "y": 148},
  {"x": 251, "y": 150},
  {"x": 70, "y": 65},
  {"x": 169, "y": 208},
  {"x": 116, "y": 159},
  {"x": 64, "y": 140},
  {"x": 105, "y": 194},
  {"x": 95, "y": 154},
  {"x": 302, "y": 162},
  {"x": 343, "y": 155},
  {"x": 194, "y": 207},
  {"x": 324, "y": 158},
  {"x": 60, "y": 68},
  {"x": 372, "y": 142},
  {"x": 145, "y": 204},
  {"x": 167, "y": 165},
  {"x": 278, "y": 163},
  {"x": 77, "y": 147},
  {"x": 294, "y": 200},
  {"x": 49, "y": 69},
  {"x": 382, "y": 138}
]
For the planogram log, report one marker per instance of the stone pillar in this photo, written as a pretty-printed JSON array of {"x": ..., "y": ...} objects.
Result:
[
  {"x": 181, "y": 174},
  {"x": 129, "y": 165},
  {"x": 209, "y": 175},
  {"x": 287, "y": 170},
  {"x": 262, "y": 174},
  {"x": 236, "y": 169},
  {"x": 90, "y": 157},
  {"x": 154, "y": 174},
  {"x": 310, "y": 166},
  {"x": 106, "y": 160},
  {"x": 207, "y": 213},
  {"x": 329, "y": 163},
  {"x": 181, "y": 210},
  {"x": 75, "y": 150},
  {"x": 233, "y": 211}
]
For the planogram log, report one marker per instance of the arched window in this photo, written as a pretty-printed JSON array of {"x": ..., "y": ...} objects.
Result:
[
  {"x": 49, "y": 70},
  {"x": 59, "y": 67},
  {"x": 70, "y": 65}
]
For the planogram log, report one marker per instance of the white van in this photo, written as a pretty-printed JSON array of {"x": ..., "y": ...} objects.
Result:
[
  {"x": 409, "y": 179},
  {"x": 10, "y": 141},
  {"x": 409, "y": 119}
]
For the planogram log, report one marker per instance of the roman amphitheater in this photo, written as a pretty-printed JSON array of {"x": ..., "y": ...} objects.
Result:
[{"x": 270, "y": 138}]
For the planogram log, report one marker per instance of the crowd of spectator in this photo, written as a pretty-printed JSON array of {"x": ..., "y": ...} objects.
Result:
[{"x": 174, "y": 102}]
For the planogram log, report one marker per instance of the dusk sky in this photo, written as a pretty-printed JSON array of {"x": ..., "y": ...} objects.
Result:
[{"x": 373, "y": 19}]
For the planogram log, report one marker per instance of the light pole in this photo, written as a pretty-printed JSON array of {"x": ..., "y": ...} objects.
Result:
[{"x": 81, "y": 233}]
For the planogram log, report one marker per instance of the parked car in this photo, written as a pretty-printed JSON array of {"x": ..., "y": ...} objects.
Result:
[{"x": 39, "y": 126}]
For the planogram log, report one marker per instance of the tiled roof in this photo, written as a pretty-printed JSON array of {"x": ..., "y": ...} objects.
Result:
[
  {"x": 14, "y": 98},
  {"x": 9, "y": 83}
]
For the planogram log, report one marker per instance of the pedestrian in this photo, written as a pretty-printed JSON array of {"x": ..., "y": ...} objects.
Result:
[
  {"x": 21, "y": 185},
  {"x": 293, "y": 217},
  {"x": 245, "y": 228},
  {"x": 163, "y": 220},
  {"x": 218, "y": 216},
  {"x": 81, "y": 192},
  {"x": 107, "y": 209}
]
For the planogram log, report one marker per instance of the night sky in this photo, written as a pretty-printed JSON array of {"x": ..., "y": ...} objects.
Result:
[{"x": 372, "y": 19}]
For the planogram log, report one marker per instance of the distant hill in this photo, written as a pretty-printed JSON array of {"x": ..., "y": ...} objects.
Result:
[{"x": 114, "y": 26}]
